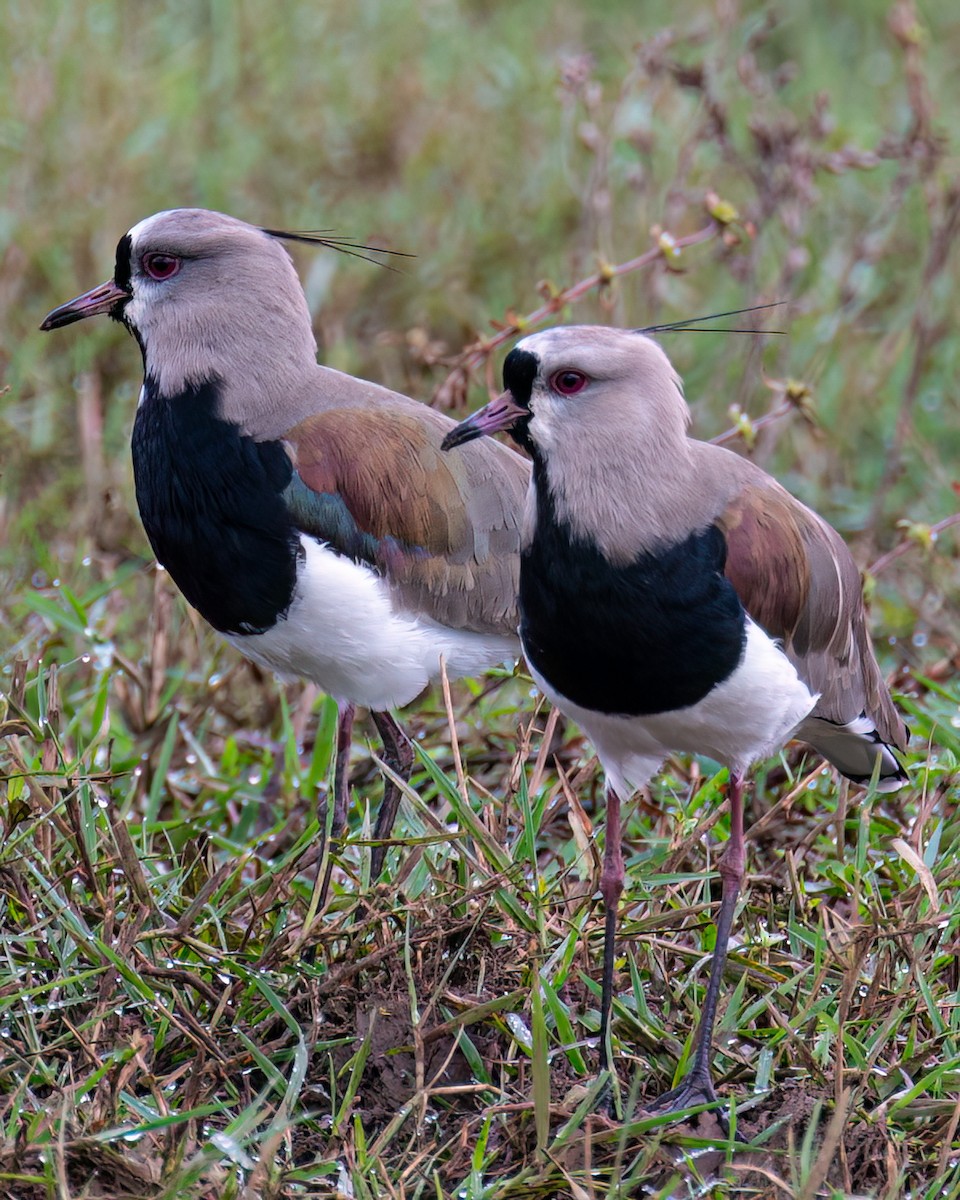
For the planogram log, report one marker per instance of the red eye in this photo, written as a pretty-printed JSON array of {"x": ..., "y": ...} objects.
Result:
[
  {"x": 568, "y": 383},
  {"x": 160, "y": 266}
]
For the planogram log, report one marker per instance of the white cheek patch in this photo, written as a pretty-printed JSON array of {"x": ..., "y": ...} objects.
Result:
[
  {"x": 547, "y": 427},
  {"x": 133, "y": 310}
]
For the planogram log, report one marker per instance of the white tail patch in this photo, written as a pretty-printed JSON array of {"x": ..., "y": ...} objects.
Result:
[{"x": 854, "y": 748}]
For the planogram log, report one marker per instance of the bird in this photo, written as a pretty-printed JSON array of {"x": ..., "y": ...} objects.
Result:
[
  {"x": 674, "y": 597},
  {"x": 307, "y": 515}
]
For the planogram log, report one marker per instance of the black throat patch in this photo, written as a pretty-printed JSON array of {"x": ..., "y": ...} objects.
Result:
[
  {"x": 210, "y": 501},
  {"x": 123, "y": 278},
  {"x": 649, "y": 637},
  {"x": 123, "y": 267},
  {"x": 520, "y": 369}
]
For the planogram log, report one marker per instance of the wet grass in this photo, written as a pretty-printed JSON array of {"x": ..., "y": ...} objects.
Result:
[{"x": 177, "y": 1019}]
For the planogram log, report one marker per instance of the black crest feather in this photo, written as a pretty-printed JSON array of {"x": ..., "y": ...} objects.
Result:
[
  {"x": 688, "y": 326},
  {"x": 333, "y": 241}
]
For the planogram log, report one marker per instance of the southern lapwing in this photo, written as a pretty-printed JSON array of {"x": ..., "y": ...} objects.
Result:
[
  {"x": 674, "y": 597},
  {"x": 309, "y": 516}
]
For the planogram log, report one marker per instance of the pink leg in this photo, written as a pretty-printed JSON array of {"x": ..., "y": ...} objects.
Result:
[
  {"x": 341, "y": 775},
  {"x": 611, "y": 889},
  {"x": 697, "y": 1087},
  {"x": 398, "y": 755}
]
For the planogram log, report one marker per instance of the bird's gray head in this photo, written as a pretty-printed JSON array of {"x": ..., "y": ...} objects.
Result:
[
  {"x": 205, "y": 295},
  {"x": 584, "y": 385},
  {"x": 602, "y": 413}
]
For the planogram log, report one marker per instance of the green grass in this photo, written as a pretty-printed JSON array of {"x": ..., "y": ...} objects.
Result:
[{"x": 176, "y": 1019}]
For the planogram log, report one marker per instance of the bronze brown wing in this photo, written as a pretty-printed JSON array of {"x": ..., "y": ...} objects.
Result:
[
  {"x": 796, "y": 578},
  {"x": 443, "y": 529}
]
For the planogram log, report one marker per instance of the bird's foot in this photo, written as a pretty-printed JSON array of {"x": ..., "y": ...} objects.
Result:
[{"x": 695, "y": 1091}]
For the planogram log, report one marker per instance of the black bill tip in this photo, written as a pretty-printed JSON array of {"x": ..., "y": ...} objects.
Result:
[
  {"x": 108, "y": 298},
  {"x": 500, "y": 414}
]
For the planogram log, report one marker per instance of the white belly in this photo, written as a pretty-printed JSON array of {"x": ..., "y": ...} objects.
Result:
[
  {"x": 344, "y": 634},
  {"x": 748, "y": 716}
]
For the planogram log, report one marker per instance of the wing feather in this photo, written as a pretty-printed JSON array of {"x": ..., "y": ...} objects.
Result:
[
  {"x": 443, "y": 529},
  {"x": 796, "y": 578}
]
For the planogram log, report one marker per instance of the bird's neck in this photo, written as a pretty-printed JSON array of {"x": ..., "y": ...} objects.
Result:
[
  {"x": 604, "y": 632},
  {"x": 619, "y": 499},
  {"x": 262, "y": 366}
]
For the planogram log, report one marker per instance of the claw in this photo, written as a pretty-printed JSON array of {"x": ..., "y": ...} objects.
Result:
[{"x": 691, "y": 1093}]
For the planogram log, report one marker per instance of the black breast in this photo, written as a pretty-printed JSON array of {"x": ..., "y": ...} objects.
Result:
[
  {"x": 648, "y": 637},
  {"x": 210, "y": 502}
]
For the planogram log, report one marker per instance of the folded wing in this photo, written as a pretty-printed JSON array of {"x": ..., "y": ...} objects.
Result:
[
  {"x": 443, "y": 529},
  {"x": 795, "y": 577}
]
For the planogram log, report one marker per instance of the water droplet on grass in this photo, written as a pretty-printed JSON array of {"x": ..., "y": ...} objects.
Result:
[
  {"x": 931, "y": 401},
  {"x": 520, "y": 1031}
]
